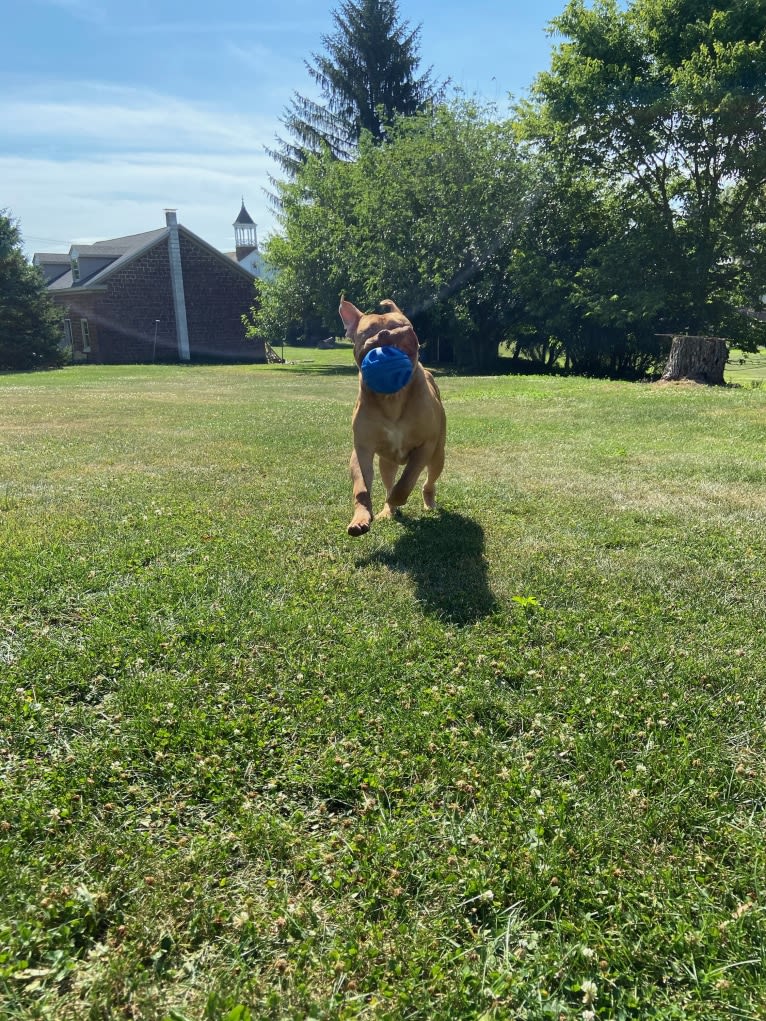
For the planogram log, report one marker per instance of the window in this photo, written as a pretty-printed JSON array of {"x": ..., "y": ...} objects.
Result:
[
  {"x": 68, "y": 339},
  {"x": 85, "y": 335}
]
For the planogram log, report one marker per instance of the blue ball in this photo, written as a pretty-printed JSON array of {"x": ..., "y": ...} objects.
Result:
[{"x": 386, "y": 369}]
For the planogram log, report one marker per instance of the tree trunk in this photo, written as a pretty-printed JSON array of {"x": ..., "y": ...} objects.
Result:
[{"x": 701, "y": 359}]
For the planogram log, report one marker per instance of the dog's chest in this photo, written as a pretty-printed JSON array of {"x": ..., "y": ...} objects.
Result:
[{"x": 395, "y": 443}]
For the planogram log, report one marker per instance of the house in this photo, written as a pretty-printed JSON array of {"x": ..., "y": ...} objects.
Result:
[{"x": 164, "y": 295}]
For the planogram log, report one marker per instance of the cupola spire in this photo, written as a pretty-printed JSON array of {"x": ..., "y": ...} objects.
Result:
[{"x": 245, "y": 233}]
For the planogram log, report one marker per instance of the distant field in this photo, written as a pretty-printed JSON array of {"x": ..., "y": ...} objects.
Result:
[
  {"x": 746, "y": 369},
  {"x": 502, "y": 761},
  {"x": 742, "y": 369},
  {"x": 341, "y": 355}
]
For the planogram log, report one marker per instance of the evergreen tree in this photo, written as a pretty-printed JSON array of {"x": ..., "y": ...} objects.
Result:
[
  {"x": 30, "y": 324},
  {"x": 366, "y": 77}
]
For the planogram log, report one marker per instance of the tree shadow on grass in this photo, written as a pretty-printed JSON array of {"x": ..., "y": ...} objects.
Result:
[
  {"x": 317, "y": 369},
  {"x": 443, "y": 553}
]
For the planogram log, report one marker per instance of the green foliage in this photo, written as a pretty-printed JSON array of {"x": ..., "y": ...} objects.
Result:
[
  {"x": 366, "y": 77},
  {"x": 30, "y": 324},
  {"x": 588, "y": 288},
  {"x": 624, "y": 202},
  {"x": 428, "y": 217},
  {"x": 664, "y": 101}
]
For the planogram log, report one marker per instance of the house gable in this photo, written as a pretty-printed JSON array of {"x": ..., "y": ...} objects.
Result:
[
  {"x": 52, "y": 264},
  {"x": 218, "y": 294},
  {"x": 122, "y": 301},
  {"x": 106, "y": 257},
  {"x": 214, "y": 252}
]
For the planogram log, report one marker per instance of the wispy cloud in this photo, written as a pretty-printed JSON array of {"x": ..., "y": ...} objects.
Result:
[
  {"x": 85, "y": 10},
  {"x": 258, "y": 26},
  {"x": 105, "y": 160},
  {"x": 261, "y": 59},
  {"x": 114, "y": 117},
  {"x": 275, "y": 75},
  {"x": 86, "y": 200}
]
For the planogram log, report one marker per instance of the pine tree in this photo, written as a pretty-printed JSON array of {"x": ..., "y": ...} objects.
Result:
[
  {"x": 367, "y": 76},
  {"x": 30, "y": 324}
]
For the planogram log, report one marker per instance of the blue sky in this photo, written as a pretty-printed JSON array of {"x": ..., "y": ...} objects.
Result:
[{"x": 112, "y": 111}]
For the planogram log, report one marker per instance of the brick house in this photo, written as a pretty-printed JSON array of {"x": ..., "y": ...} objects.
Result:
[{"x": 164, "y": 295}]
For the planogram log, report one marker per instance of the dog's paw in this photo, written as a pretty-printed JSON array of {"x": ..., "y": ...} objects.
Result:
[
  {"x": 357, "y": 528},
  {"x": 388, "y": 513}
]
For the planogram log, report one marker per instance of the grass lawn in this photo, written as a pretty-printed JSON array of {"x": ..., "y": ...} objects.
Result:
[
  {"x": 746, "y": 369},
  {"x": 503, "y": 761},
  {"x": 742, "y": 368}
]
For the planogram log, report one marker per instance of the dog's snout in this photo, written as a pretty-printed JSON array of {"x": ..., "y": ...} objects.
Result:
[{"x": 401, "y": 337}]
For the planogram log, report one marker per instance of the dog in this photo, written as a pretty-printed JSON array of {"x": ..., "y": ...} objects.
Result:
[{"x": 407, "y": 428}]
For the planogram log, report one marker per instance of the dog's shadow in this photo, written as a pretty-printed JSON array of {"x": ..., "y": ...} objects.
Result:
[{"x": 443, "y": 553}]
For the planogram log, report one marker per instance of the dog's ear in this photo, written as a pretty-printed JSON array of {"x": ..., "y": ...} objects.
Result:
[
  {"x": 350, "y": 315},
  {"x": 390, "y": 306}
]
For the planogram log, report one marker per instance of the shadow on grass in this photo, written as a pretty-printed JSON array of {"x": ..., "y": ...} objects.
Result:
[
  {"x": 316, "y": 369},
  {"x": 443, "y": 553}
]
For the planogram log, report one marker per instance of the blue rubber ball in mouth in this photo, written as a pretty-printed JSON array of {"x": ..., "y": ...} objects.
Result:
[{"x": 386, "y": 369}]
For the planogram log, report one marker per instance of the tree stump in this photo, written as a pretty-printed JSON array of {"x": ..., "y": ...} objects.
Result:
[{"x": 701, "y": 359}]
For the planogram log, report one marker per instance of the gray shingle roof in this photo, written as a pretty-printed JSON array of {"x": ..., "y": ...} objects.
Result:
[
  {"x": 119, "y": 250},
  {"x": 61, "y": 283},
  {"x": 120, "y": 246}
]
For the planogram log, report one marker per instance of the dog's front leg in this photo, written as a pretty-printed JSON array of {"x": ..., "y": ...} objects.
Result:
[
  {"x": 361, "y": 477},
  {"x": 399, "y": 495}
]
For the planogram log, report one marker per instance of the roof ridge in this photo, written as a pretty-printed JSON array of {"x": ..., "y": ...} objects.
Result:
[{"x": 126, "y": 237}]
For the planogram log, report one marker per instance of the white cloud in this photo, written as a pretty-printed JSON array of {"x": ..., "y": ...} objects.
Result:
[
  {"x": 82, "y": 161},
  {"x": 85, "y": 200},
  {"x": 117, "y": 117}
]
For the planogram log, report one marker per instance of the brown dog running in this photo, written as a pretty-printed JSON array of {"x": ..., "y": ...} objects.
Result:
[{"x": 407, "y": 428}]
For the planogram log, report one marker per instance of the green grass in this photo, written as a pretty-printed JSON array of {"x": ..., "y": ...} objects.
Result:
[
  {"x": 746, "y": 369},
  {"x": 489, "y": 763},
  {"x": 742, "y": 368}
]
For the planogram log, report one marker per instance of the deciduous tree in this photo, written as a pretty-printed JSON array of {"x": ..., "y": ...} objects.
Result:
[
  {"x": 666, "y": 101},
  {"x": 429, "y": 218}
]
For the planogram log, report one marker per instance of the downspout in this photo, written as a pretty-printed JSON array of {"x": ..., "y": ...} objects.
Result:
[{"x": 177, "y": 283}]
